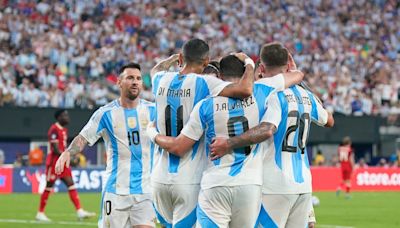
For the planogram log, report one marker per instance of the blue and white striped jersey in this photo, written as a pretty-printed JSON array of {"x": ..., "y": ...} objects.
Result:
[
  {"x": 129, "y": 150},
  {"x": 175, "y": 97},
  {"x": 228, "y": 117},
  {"x": 286, "y": 166}
]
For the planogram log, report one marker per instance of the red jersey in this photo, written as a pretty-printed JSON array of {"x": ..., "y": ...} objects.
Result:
[
  {"x": 345, "y": 153},
  {"x": 56, "y": 134}
]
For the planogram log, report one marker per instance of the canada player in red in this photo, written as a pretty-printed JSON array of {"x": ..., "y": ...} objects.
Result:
[
  {"x": 346, "y": 158},
  {"x": 57, "y": 136}
]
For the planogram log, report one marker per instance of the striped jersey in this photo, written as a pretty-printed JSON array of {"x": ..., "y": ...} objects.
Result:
[
  {"x": 286, "y": 165},
  {"x": 128, "y": 148},
  {"x": 175, "y": 97},
  {"x": 228, "y": 117}
]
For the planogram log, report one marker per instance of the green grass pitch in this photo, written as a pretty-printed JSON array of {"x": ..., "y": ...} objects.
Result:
[{"x": 364, "y": 210}]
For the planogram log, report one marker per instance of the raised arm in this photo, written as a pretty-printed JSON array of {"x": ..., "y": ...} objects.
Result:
[
  {"x": 255, "y": 135},
  {"x": 164, "y": 64},
  {"x": 293, "y": 76},
  {"x": 243, "y": 88},
  {"x": 77, "y": 145}
]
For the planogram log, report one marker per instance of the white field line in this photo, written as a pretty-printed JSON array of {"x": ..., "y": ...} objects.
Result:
[
  {"x": 332, "y": 226},
  {"x": 54, "y": 222}
]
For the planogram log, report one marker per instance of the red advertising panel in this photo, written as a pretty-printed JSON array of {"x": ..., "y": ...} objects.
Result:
[
  {"x": 367, "y": 179},
  {"x": 6, "y": 179}
]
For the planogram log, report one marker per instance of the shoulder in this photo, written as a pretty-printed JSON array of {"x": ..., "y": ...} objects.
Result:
[{"x": 105, "y": 108}]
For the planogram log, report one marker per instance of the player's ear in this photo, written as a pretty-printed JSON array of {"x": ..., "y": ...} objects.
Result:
[
  {"x": 180, "y": 60},
  {"x": 262, "y": 68},
  {"x": 119, "y": 81},
  {"x": 206, "y": 61}
]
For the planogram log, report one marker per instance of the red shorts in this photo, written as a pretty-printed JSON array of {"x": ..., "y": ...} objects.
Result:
[
  {"x": 346, "y": 173},
  {"x": 51, "y": 173}
]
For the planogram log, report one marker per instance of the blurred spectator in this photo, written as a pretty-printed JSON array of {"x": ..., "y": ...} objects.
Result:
[
  {"x": 383, "y": 163},
  {"x": 361, "y": 164},
  {"x": 319, "y": 159},
  {"x": 352, "y": 60},
  {"x": 334, "y": 161},
  {"x": 20, "y": 160},
  {"x": 36, "y": 157},
  {"x": 2, "y": 157}
]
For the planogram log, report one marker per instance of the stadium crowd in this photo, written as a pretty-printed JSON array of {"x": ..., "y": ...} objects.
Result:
[{"x": 64, "y": 53}]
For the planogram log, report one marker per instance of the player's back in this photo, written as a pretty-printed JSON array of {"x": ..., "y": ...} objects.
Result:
[
  {"x": 286, "y": 165},
  {"x": 344, "y": 153},
  {"x": 175, "y": 96},
  {"x": 228, "y": 117}
]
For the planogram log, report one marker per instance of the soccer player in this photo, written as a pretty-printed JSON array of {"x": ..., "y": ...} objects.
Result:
[
  {"x": 213, "y": 69},
  {"x": 230, "y": 187},
  {"x": 286, "y": 189},
  {"x": 126, "y": 198},
  {"x": 57, "y": 136},
  {"x": 346, "y": 158},
  {"x": 175, "y": 180}
]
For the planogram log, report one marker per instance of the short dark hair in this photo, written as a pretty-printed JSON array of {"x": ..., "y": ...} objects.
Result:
[
  {"x": 195, "y": 51},
  {"x": 128, "y": 65},
  {"x": 212, "y": 68},
  {"x": 59, "y": 112},
  {"x": 231, "y": 66},
  {"x": 274, "y": 55}
]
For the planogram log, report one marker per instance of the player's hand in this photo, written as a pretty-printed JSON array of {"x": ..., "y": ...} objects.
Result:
[
  {"x": 241, "y": 56},
  {"x": 311, "y": 225},
  {"x": 219, "y": 148},
  {"x": 291, "y": 64},
  {"x": 63, "y": 160}
]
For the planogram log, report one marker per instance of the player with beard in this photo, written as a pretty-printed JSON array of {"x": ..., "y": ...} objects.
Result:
[{"x": 126, "y": 197}]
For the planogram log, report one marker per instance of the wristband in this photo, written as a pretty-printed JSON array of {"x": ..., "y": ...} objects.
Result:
[
  {"x": 249, "y": 61},
  {"x": 152, "y": 132}
]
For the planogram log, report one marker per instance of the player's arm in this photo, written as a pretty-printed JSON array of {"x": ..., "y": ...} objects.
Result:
[
  {"x": 178, "y": 146},
  {"x": 255, "y": 135},
  {"x": 89, "y": 134},
  {"x": 319, "y": 114},
  {"x": 55, "y": 148},
  {"x": 258, "y": 134},
  {"x": 76, "y": 146},
  {"x": 243, "y": 88},
  {"x": 164, "y": 64}
]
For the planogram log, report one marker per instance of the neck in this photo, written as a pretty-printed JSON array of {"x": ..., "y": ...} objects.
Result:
[
  {"x": 128, "y": 103},
  {"x": 187, "y": 69},
  {"x": 273, "y": 72}
]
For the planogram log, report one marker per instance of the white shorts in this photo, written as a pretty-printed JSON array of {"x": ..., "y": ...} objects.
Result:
[
  {"x": 285, "y": 210},
  {"x": 235, "y": 206},
  {"x": 176, "y": 204},
  {"x": 126, "y": 211}
]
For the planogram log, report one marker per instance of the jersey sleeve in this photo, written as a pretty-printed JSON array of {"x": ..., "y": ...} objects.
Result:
[
  {"x": 273, "y": 114},
  {"x": 53, "y": 135},
  {"x": 194, "y": 128},
  {"x": 215, "y": 85},
  {"x": 93, "y": 129},
  {"x": 318, "y": 114},
  {"x": 156, "y": 82},
  {"x": 277, "y": 82}
]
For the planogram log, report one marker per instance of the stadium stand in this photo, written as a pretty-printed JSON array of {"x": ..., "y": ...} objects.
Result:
[{"x": 64, "y": 53}]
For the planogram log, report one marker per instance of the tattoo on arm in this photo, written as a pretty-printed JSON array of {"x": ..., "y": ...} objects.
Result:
[
  {"x": 163, "y": 65},
  {"x": 254, "y": 135},
  {"x": 77, "y": 145}
]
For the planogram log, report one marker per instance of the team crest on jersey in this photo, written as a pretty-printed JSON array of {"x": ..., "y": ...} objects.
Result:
[{"x": 132, "y": 122}]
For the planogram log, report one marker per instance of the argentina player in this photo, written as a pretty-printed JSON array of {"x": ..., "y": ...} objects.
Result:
[
  {"x": 286, "y": 187},
  {"x": 126, "y": 197},
  {"x": 231, "y": 187}
]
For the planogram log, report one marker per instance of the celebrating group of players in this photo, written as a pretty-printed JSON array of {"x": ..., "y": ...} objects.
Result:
[{"x": 209, "y": 152}]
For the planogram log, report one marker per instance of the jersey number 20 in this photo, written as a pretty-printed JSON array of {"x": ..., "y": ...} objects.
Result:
[{"x": 295, "y": 121}]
